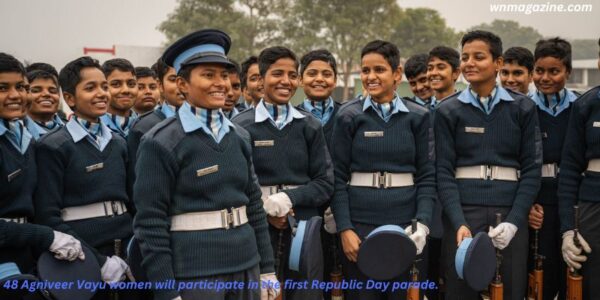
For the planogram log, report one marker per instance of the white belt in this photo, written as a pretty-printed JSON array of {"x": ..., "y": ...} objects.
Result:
[
  {"x": 381, "y": 180},
  {"x": 94, "y": 210},
  {"x": 21, "y": 220},
  {"x": 487, "y": 173},
  {"x": 206, "y": 220},
  {"x": 594, "y": 165},
  {"x": 274, "y": 189},
  {"x": 550, "y": 170}
]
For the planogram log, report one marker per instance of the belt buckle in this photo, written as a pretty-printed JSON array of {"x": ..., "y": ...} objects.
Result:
[
  {"x": 115, "y": 208},
  {"x": 231, "y": 219},
  {"x": 384, "y": 177},
  {"x": 225, "y": 218},
  {"x": 489, "y": 172}
]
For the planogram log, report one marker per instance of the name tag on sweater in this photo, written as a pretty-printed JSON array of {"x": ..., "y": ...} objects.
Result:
[
  {"x": 14, "y": 174},
  {"x": 206, "y": 171},
  {"x": 596, "y": 124},
  {"x": 370, "y": 134},
  {"x": 95, "y": 167},
  {"x": 266, "y": 143},
  {"x": 474, "y": 130}
]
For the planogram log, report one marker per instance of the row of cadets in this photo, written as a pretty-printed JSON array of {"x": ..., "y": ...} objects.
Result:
[
  {"x": 172, "y": 100},
  {"x": 252, "y": 91},
  {"x": 21, "y": 241},
  {"x": 208, "y": 221},
  {"x": 579, "y": 183},
  {"x": 486, "y": 127},
  {"x": 44, "y": 100},
  {"x": 123, "y": 91},
  {"x": 318, "y": 77},
  {"x": 234, "y": 92},
  {"x": 148, "y": 95},
  {"x": 291, "y": 158},
  {"x": 82, "y": 188},
  {"x": 381, "y": 133}
]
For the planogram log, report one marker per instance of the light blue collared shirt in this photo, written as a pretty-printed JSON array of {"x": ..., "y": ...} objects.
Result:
[
  {"x": 78, "y": 133},
  {"x": 501, "y": 94},
  {"x": 397, "y": 104},
  {"x": 262, "y": 114},
  {"x": 38, "y": 131},
  {"x": 232, "y": 113},
  {"x": 191, "y": 123},
  {"x": 566, "y": 97},
  {"x": 323, "y": 115},
  {"x": 432, "y": 102},
  {"x": 167, "y": 110},
  {"x": 25, "y": 137},
  {"x": 107, "y": 119}
]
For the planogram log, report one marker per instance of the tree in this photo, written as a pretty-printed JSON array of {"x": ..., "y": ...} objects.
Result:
[
  {"x": 342, "y": 26},
  {"x": 512, "y": 34},
  {"x": 421, "y": 29}
]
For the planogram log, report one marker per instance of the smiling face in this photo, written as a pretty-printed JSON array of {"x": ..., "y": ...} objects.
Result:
[
  {"x": 280, "y": 81},
  {"x": 515, "y": 77},
  {"x": 43, "y": 98},
  {"x": 254, "y": 88},
  {"x": 441, "y": 76},
  {"x": 419, "y": 86},
  {"x": 477, "y": 64},
  {"x": 91, "y": 95},
  {"x": 207, "y": 86},
  {"x": 378, "y": 78},
  {"x": 550, "y": 75},
  {"x": 13, "y": 95},
  {"x": 168, "y": 88},
  {"x": 123, "y": 90},
  {"x": 318, "y": 80}
]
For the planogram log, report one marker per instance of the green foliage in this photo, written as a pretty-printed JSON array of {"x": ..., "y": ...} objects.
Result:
[{"x": 512, "y": 34}]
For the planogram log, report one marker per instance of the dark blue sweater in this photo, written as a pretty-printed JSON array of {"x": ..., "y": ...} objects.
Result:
[
  {"x": 511, "y": 138},
  {"x": 403, "y": 148},
  {"x": 64, "y": 182},
  {"x": 582, "y": 143},
  {"x": 168, "y": 185},
  {"x": 18, "y": 176},
  {"x": 298, "y": 155}
]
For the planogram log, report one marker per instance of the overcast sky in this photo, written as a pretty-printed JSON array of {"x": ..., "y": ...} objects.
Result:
[{"x": 56, "y": 31}]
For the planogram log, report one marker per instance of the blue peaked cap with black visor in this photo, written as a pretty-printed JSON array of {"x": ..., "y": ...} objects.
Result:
[{"x": 200, "y": 47}]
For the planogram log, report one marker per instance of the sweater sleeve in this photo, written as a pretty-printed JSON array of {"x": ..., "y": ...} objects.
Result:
[
  {"x": 530, "y": 159},
  {"x": 157, "y": 167},
  {"x": 573, "y": 164},
  {"x": 133, "y": 143},
  {"x": 25, "y": 235},
  {"x": 425, "y": 175},
  {"x": 445, "y": 154},
  {"x": 341, "y": 149},
  {"x": 49, "y": 193},
  {"x": 258, "y": 219},
  {"x": 320, "y": 188}
]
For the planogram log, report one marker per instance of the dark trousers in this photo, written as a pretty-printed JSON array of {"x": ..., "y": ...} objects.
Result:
[
  {"x": 434, "y": 267},
  {"x": 514, "y": 257},
  {"x": 352, "y": 272},
  {"x": 281, "y": 241},
  {"x": 589, "y": 227},
  {"x": 246, "y": 276},
  {"x": 331, "y": 257},
  {"x": 106, "y": 294},
  {"x": 549, "y": 244}
]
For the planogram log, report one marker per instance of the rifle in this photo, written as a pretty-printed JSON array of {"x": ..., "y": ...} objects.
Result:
[
  {"x": 496, "y": 287},
  {"x": 536, "y": 277},
  {"x": 413, "y": 290},
  {"x": 574, "y": 279},
  {"x": 336, "y": 273},
  {"x": 114, "y": 295}
]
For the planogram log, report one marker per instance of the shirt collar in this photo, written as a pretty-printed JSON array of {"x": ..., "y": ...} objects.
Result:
[
  {"x": 25, "y": 137},
  {"x": 190, "y": 123},
  {"x": 398, "y": 106},
  {"x": 167, "y": 110},
  {"x": 323, "y": 115},
  {"x": 466, "y": 96},
  {"x": 232, "y": 113},
  {"x": 78, "y": 133},
  {"x": 262, "y": 114},
  {"x": 566, "y": 97}
]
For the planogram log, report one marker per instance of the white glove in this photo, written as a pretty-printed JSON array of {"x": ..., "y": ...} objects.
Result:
[
  {"x": 66, "y": 247},
  {"x": 270, "y": 288},
  {"x": 329, "y": 221},
  {"x": 115, "y": 269},
  {"x": 419, "y": 236},
  {"x": 178, "y": 298},
  {"x": 502, "y": 234},
  {"x": 277, "y": 205},
  {"x": 571, "y": 253}
]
